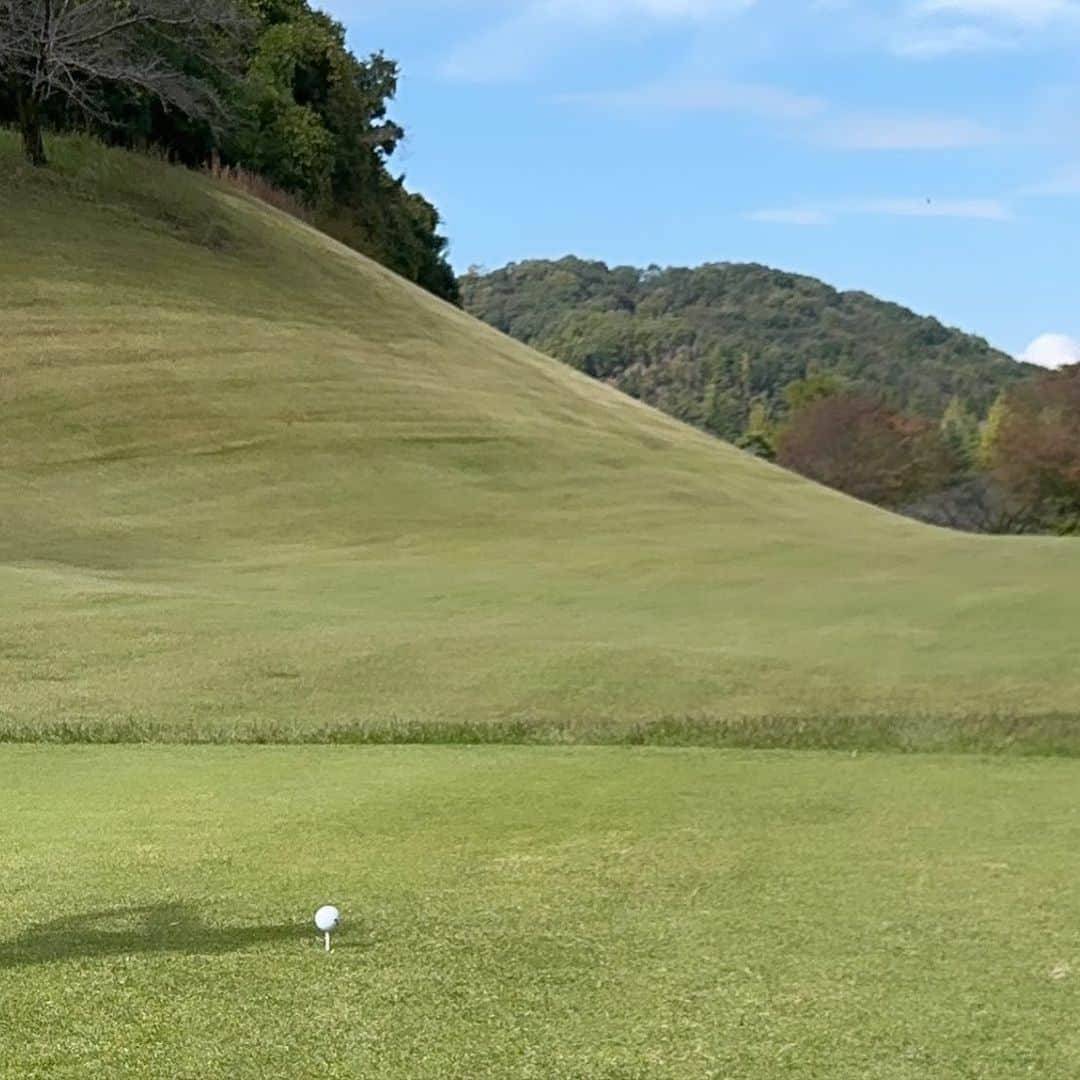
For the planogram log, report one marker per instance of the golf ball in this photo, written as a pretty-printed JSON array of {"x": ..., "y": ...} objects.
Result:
[{"x": 327, "y": 918}]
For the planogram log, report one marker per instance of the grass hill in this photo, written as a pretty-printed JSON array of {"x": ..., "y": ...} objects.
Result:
[
  {"x": 254, "y": 486},
  {"x": 705, "y": 344}
]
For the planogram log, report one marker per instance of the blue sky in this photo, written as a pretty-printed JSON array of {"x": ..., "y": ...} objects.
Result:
[{"x": 927, "y": 151}]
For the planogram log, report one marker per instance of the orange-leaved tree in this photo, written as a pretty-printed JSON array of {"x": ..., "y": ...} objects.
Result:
[
  {"x": 862, "y": 447},
  {"x": 1035, "y": 450}
]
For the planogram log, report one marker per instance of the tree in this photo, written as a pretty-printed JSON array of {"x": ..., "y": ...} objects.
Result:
[
  {"x": 313, "y": 120},
  {"x": 707, "y": 342},
  {"x": 284, "y": 99},
  {"x": 725, "y": 412},
  {"x": 758, "y": 438},
  {"x": 960, "y": 433},
  {"x": 77, "y": 50},
  {"x": 859, "y": 446},
  {"x": 802, "y": 392},
  {"x": 991, "y": 430},
  {"x": 1035, "y": 454},
  {"x": 977, "y": 503}
]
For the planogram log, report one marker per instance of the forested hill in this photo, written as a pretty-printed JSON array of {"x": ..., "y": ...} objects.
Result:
[{"x": 718, "y": 345}]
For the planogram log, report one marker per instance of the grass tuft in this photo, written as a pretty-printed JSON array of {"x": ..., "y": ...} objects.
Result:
[
  {"x": 1051, "y": 735},
  {"x": 251, "y": 183}
]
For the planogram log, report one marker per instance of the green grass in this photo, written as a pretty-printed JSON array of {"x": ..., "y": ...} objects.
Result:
[
  {"x": 253, "y": 487},
  {"x": 516, "y": 912}
]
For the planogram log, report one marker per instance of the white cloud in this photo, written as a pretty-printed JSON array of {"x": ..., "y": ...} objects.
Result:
[
  {"x": 931, "y": 44},
  {"x": 790, "y": 217},
  {"x": 757, "y": 99},
  {"x": 896, "y": 131},
  {"x": 1052, "y": 351},
  {"x": 606, "y": 10},
  {"x": 931, "y": 29},
  {"x": 804, "y": 116},
  {"x": 826, "y": 213},
  {"x": 976, "y": 209},
  {"x": 1030, "y": 12},
  {"x": 1066, "y": 182},
  {"x": 513, "y": 47},
  {"x": 521, "y": 35}
]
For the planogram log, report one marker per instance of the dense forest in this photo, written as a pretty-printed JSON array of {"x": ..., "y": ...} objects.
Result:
[
  {"x": 717, "y": 346},
  {"x": 856, "y": 393},
  {"x": 266, "y": 87}
]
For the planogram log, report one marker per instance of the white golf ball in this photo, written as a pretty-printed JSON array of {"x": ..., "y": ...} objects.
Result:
[{"x": 327, "y": 918}]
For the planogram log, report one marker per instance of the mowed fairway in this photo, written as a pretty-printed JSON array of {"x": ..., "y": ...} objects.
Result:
[
  {"x": 254, "y": 487},
  {"x": 548, "y": 913}
]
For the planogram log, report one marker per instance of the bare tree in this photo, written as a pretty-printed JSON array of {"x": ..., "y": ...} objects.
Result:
[
  {"x": 73, "y": 49},
  {"x": 976, "y": 504}
]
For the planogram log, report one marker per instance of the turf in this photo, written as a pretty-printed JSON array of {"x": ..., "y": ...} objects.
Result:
[
  {"x": 551, "y": 913},
  {"x": 252, "y": 487}
]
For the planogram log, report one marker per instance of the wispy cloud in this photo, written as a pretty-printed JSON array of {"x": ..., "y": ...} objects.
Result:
[
  {"x": 758, "y": 99},
  {"x": 792, "y": 216},
  {"x": 607, "y": 10},
  {"x": 978, "y": 209},
  {"x": 803, "y": 116},
  {"x": 931, "y": 43},
  {"x": 1030, "y": 12},
  {"x": 872, "y": 130},
  {"x": 827, "y": 213},
  {"x": 516, "y": 44},
  {"x": 1065, "y": 182},
  {"x": 933, "y": 29},
  {"x": 520, "y": 37}
]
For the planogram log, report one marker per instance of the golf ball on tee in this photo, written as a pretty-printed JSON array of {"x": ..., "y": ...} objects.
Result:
[{"x": 327, "y": 918}]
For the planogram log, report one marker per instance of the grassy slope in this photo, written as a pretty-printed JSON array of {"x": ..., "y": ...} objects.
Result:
[
  {"x": 251, "y": 484},
  {"x": 544, "y": 913}
]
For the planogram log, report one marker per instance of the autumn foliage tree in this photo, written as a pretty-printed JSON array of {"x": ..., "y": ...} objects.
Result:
[
  {"x": 860, "y": 446},
  {"x": 1035, "y": 451}
]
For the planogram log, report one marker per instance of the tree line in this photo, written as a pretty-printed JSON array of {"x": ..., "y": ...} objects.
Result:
[
  {"x": 858, "y": 394},
  {"x": 264, "y": 85},
  {"x": 1016, "y": 471}
]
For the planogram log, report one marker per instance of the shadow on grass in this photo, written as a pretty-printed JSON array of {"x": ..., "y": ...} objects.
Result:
[{"x": 132, "y": 931}]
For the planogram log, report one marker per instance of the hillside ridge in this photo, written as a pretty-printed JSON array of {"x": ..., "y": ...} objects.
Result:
[{"x": 711, "y": 343}]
